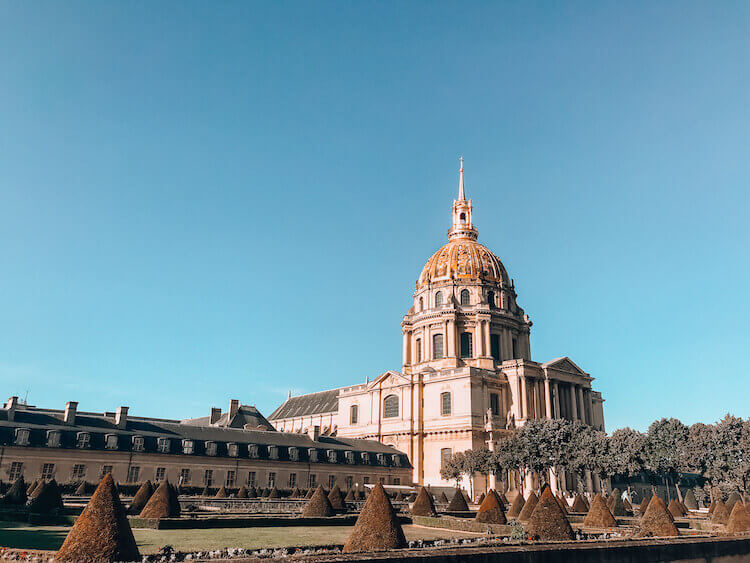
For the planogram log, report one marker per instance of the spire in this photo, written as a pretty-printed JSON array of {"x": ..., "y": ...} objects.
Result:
[{"x": 461, "y": 194}]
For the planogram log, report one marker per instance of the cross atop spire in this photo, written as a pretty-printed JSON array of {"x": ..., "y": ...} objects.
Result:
[{"x": 461, "y": 194}]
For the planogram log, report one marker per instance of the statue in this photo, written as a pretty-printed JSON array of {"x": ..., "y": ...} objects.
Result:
[{"x": 510, "y": 421}]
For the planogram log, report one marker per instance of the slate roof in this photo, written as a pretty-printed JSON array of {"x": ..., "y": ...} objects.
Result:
[
  {"x": 247, "y": 416},
  {"x": 305, "y": 405}
]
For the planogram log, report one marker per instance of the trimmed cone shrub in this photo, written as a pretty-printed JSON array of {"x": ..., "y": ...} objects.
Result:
[
  {"x": 310, "y": 493},
  {"x": 141, "y": 498},
  {"x": 627, "y": 505},
  {"x": 81, "y": 489},
  {"x": 599, "y": 515},
  {"x": 102, "y": 531},
  {"x": 721, "y": 513},
  {"x": 242, "y": 493},
  {"x": 657, "y": 521},
  {"x": 516, "y": 507},
  {"x": 548, "y": 522},
  {"x": 739, "y": 519},
  {"x": 336, "y": 498},
  {"x": 611, "y": 499},
  {"x": 17, "y": 493},
  {"x": 563, "y": 503},
  {"x": 30, "y": 488},
  {"x": 480, "y": 500},
  {"x": 252, "y": 492},
  {"x": 528, "y": 507},
  {"x": 644, "y": 505},
  {"x": 295, "y": 493},
  {"x": 319, "y": 505},
  {"x": 265, "y": 493},
  {"x": 733, "y": 498},
  {"x": 221, "y": 493},
  {"x": 458, "y": 502},
  {"x": 579, "y": 505},
  {"x": 350, "y": 497},
  {"x": 163, "y": 503},
  {"x": 503, "y": 498},
  {"x": 617, "y": 507},
  {"x": 274, "y": 493},
  {"x": 491, "y": 511},
  {"x": 46, "y": 498},
  {"x": 377, "y": 527},
  {"x": 442, "y": 498},
  {"x": 206, "y": 492},
  {"x": 690, "y": 502},
  {"x": 675, "y": 509},
  {"x": 424, "y": 505}
]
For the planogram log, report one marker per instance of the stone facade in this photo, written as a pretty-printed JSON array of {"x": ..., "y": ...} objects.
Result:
[{"x": 467, "y": 377}]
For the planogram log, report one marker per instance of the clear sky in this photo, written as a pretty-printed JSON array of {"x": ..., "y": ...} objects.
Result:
[{"x": 208, "y": 200}]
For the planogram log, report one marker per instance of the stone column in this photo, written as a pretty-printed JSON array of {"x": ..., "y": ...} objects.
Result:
[
  {"x": 450, "y": 340},
  {"x": 486, "y": 338},
  {"x": 581, "y": 410},
  {"x": 573, "y": 401},
  {"x": 547, "y": 399},
  {"x": 427, "y": 344},
  {"x": 590, "y": 403},
  {"x": 477, "y": 339},
  {"x": 407, "y": 336},
  {"x": 524, "y": 398},
  {"x": 556, "y": 400},
  {"x": 589, "y": 482}
]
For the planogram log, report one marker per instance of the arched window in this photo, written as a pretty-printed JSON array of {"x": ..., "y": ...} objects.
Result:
[
  {"x": 462, "y": 217},
  {"x": 419, "y": 350},
  {"x": 445, "y": 403},
  {"x": 491, "y": 299},
  {"x": 421, "y": 304},
  {"x": 465, "y": 297},
  {"x": 438, "y": 299},
  {"x": 467, "y": 345},
  {"x": 353, "y": 414},
  {"x": 437, "y": 346},
  {"x": 445, "y": 456},
  {"x": 390, "y": 406}
]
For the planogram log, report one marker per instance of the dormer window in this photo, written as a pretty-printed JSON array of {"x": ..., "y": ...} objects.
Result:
[
  {"x": 349, "y": 456},
  {"x": 138, "y": 443},
  {"x": 233, "y": 449},
  {"x": 22, "y": 437},
  {"x": 313, "y": 455},
  {"x": 253, "y": 451},
  {"x": 111, "y": 441},
  {"x": 83, "y": 440},
  {"x": 381, "y": 459},
  {"x": 366, "y": 457},
  {"x": 273, "y": 452},
  {"x": 294, "y": 453},
  {"x": 396, "y": 458},
  {"x": 53, "y": 438},
  {"x": 163, "y": 445},
  {"x": 332, "y": 457},
  {"x": 188, "y": 447},
  {"x": 211, "y": 448}
]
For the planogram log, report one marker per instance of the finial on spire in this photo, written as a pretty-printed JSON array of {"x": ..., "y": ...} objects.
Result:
[{"x": 461, "y": 195}]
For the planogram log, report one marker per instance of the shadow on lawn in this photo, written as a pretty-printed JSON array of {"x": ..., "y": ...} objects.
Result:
[{"x": 32, "y": 538}]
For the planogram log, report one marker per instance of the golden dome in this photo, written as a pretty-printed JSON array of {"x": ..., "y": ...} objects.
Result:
[{"x": 463, "y": 259}]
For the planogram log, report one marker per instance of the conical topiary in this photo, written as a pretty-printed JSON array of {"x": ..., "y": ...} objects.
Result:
[
  {"x": 318, "y": 505},
  {"x": 80, "y": 489},
  {"x": 458, "y": 502},
  {"x": 617, "y": 507},
  {"x": 242, "y": 493},
  {"x": 336, "y": 498},
  {"x": 528, "y": 507},
  {"x": 690, "y": 502},
  {"x": 206, "y": 492},
  {"x": 491, "y": 511},
  {"x": 657, "y": 521},
  {"x": 675, "y": 509},
  {"x": 141, "y": 498},
  {"x": 611, "y": 499},
  {"x": 350, "y": 496},
  {"x": 17, "y": 493},
  {"x": 562, "y": 502},
  {"x": 274, "y": 493},
  {"x": 377, "y": 527},
  {"x": 721, "y": 513},
  {"x": 266, "y": 492},
  {"x": 46, "y": 498},
  {"x": 295, "y": 493},
  {"x": 579, "y": 505},
  {"x": 442, "y": 499},
  {"x": 30, "y": 488},
  {"x": 221, "y": 493},
  {"x": 252, "y": 492},
  {"x": 310, "y": 493},
  {"x": 163, "y": 503},
  {"x": 627, "y": 505},
  {"x": 733, "y": 498},
  {"x": 424, "y": 505},
  {"x": 599, "y": 515},
  {"x": 548, "y": 522},
  {"x": 517, "y": 506},
  {"x": 644, "y": 504},
  {"x": 739, "y": 519},
  {"x": 102, "y": 531},
  {"x": 480, "y": 500}
]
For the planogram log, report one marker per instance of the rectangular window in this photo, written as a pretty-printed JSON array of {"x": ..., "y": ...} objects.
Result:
[
  {"x": 187, "y": 447},
  {"x": 163, "y": 445},
  {"x": 271, "y": 480},
  {"x": 48, "y": 471},
  {"x": 208, "y": 477},
  {"x": 292, "y": 480},
  {"x": 184, "y": 476},
  {"x": 251, "y": 479},
  {"x": 349, "y": 482},
  {"x": 312, "y": 481},
  {"x": 515, "y": 348},
  {"x": 133, "y": 474},
  {"x": 445, "y": 456},
  {"x": 79, "y": 472},
  {"x": 231, "y": 478},
  {"x": 396, "y": 480},
  {"x": 22, "y": 436},
  {"x": 495, "y": 404},
  {"x": 495, "y": 347},
  {"x": 106, "y": 469},
  {"x": 419, "y": 350},
  {"x": 331, "y": 481},
  {"x": 445, "y": 404},
  {"x": 233, "y": 450},
  {"x": 366, "y": 479},
  {"x": 111, "y": 441},
  {"x": 161, "y": 472},
  {"x": 353, "y": 414},
  {"x": 437, "y": 346},
  {"x": 138, "y": 443},
  {"x": 15, "y": 471},
  {"x": 382, "y": 480},
  {"x": 467, "y": 345},
  {"x": 83, "y": 439}
]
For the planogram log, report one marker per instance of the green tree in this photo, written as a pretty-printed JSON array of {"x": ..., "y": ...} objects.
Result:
[
  {"x": 452, "y": 468},
  {"x": 666, "y": 444},
  {"x": 625, "y": 452}
]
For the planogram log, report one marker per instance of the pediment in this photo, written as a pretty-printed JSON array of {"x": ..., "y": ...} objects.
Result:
[
  {"x": 564, "y": 364},
  {"x": 388, "y": 379}
]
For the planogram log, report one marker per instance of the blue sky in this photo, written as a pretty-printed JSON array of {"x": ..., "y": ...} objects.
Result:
[{"x": 207, "y": 200}]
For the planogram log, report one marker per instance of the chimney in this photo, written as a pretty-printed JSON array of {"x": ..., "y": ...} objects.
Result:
[
  {"x": 11, "y": 408},
  {"x": 314, "y": 433},
  {"x": 234, "y": 406},
  {"x": 121, "y": 417},
  {"x": 70, "y": 412},
  {"x": 215, "y": 414}
]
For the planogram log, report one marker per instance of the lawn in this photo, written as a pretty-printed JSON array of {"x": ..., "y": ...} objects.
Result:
[{"x": 149, "y": 541}]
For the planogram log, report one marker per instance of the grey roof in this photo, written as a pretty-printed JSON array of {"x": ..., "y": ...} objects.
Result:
[
  {"x": 247, "y": 416},
  {"x": 305, "y": 405}
]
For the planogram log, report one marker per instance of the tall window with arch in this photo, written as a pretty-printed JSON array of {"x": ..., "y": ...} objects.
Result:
[
  {"x": 437, "y": 346},
  {"x": 465, "y": 297},
  {"x": 491, "y": 299},
  {"x": 445, "y": 403},
  {"x": 467, "y": 345},
  {"x": 353, "y": 414},
  {"x": 445, "y": 456},
  {"x": 438, "y": 299},
  {"x": 418, "y": 350},
  {"x": 421, "y": 304},
  {"x": 390, "y": 406}
]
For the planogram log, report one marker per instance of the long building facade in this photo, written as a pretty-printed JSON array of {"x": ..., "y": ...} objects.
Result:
[
  {"x": 467, "y": 376},
  {"x": 234, "y": 448}
]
